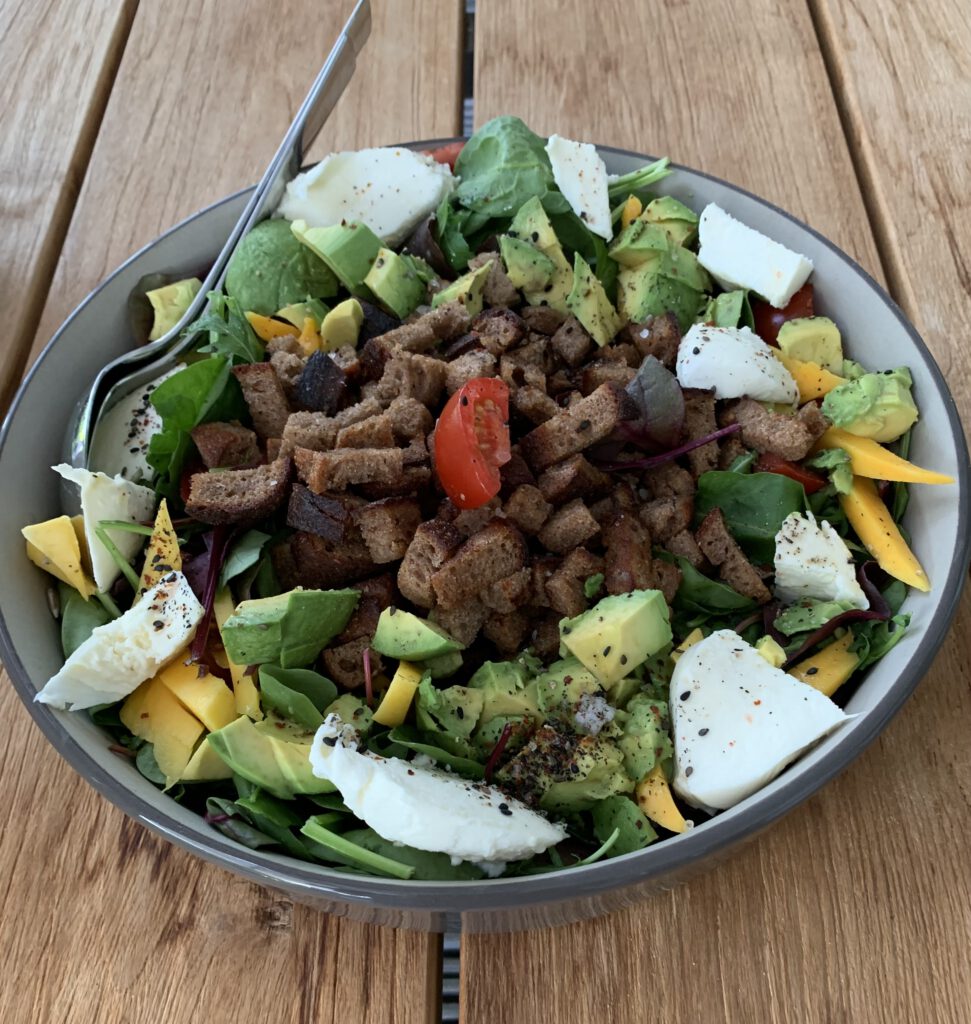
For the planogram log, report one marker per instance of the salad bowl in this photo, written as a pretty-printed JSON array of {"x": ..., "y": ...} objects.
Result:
[{"x": 937, "y": 521}]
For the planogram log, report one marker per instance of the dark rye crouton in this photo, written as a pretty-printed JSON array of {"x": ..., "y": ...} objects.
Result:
[
  {"x": 238, "y": 495},
  {"x": 463, "y": 622},
  {"x": 434, "y": 542},
  {"x": 510, "y": 593},
  {"x": 498, "y": 290},
  {"x": 621, "y": 352},
  {"x": 658, "y": 337},
  {"x": 590, "y": 420},
  {"x": 311, "y": 430},
  {"x": 345, "y": 663},
  {"x": 306, "y": 560},
  {"x": 226, "y": 445},
  {"x": 665, "y": 517},
  {"x": 498, "y": 330},
  {"x": 265, "y": 398},
  {"x": 568, "y": 527},
  {"x": 572, "y": 343},
  {"x": 374, "y": 432},
  {"x": 574, "y": 477},
  {"x": 285, "y": 343},
  {"x": 377, "y": 594},
  {"x": 565, "y": 586},
  {"x": 669, "y": 481},
  {"x": 276, "y": 448},
  {"x": 507, "y": 631},
  {"x": 496, "y": 551},
  {"x": 790, "y": 437},
  {"x": 533, "y": 403},
  {"x": 668, "y": 579},
  {"x": 326, "y": 515},
  {"x": 471, "y": 520},
  {"x": 388, "y": 527},
  {"x": 443, "y": 324},
  {"x": 600, "y": 371},
  {"x": 735, "y": 569},
  {"x": 288, "y": 368},
  {"x": 699, "y": 421},
  {"x": 514, "y": 473},
  {"x": 628, "y": 563},
  {"x": 543, "y": 319},
  {"x": 477, "y": 363},
  {"x": 545, "y": 638},
  {"x": 321, "y": 387},
  {"x": 412, "y": 376},
  {"x": 729, "y": 449},
  {"x": 410, "y": 420},
  {"x": 337, "y": 470},
  {"x": 685, "y": 545},
  {"x": 527, "y": 508}
]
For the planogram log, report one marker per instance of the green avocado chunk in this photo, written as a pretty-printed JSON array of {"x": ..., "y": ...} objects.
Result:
[
  {"x": 276, "y": 763},
  {"x": 271, "y": 269},
  {"x": 467, "y": 289},
  {"x": 678, "y": 220},
  {"x": 450, "y": 714},
  {"x": 526, "y": 267},
  {"x": 169, "y": 304},
  {"x": 643, "y": 292},
  {"x": 645, "y": 739},
  {"x": 640, "y": 243},
  {"x": 506, "y": 691},
  {"x": 588, "y": 302},
  {"x": 564, "y": 683},
  {"x": 621, "y": 813},
  {"x": 618, "y": 633},
  {"x": 532, "y": 226},
  {"x": 349, "y": 250},
  {"x": 595, "y": 773},
  {"x": 443, "y": 666},
  {"x": 401, "y": 635},
  {"x": 876, "y": 405},
  {"x": 289, "y": 629},
  {"x": 395, "y": 283},
  {"x": 813, "y": 339}
]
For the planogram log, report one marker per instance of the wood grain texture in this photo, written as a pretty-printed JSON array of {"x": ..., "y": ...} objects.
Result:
[
  {"x": 103, "y": 922},
  {"x": 857, "y": 907},
  {"x": 59, "y": 60}
]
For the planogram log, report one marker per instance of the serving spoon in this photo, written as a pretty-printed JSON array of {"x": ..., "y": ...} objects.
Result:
[{"x": 135, "y": 368}]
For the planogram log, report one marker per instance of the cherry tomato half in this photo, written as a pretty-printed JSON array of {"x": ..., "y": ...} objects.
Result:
[
  {"x": 768, "y": 319},
  {"x": 472, "y": 441},
  {"x": 769, "y": 463},
  {"x": 446, "y": 154}
]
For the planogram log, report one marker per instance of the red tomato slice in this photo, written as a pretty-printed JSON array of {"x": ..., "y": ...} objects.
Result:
[
  {"x": 769, "y": 463},
  {"x": 472, "y": 441},
  {"x": 768, "y": 319},
  {"x": 446, "y": 154}
]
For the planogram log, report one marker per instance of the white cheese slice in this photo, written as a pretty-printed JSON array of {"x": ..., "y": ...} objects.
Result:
[
  {"x": 105, "y": 497},
  {"x": 123, "y": 653},
  {"x": 738, "y": 256},
  {"x": 735, "y": 362},
  {"x": 738, "y": 721},
  {"x": 581, "y": 175},
  {"x": 391, "y": 190},
  {"x": 812, "y": 561},
  {"x": 428, "y": 808}
]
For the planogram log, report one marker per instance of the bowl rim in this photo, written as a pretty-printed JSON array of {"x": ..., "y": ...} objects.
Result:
[{"x": 673, "y": 854}]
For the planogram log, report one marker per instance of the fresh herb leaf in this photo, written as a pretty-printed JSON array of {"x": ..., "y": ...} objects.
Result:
[
  {"x": 230, "y": 333},
  {"x": 592, "y": 585}
]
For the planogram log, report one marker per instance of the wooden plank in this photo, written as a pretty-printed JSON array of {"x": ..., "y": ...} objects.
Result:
[
  {"x": 831, "y": 914},
  {"x": 102, "y": 921},
  {"x": 59, "y": 60}
]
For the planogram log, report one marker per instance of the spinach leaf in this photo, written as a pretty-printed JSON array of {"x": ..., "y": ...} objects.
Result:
[
  {"x": 427, "y": 866},
  {"x": 451, "y": 238},
  {"x": 224, "y": 815},
  {"x": 837, "y": 462},
  {"x": 230, "y": 333},
  {"x": 874, "y": 639},
  {"x": 273, "y": 818},
  {"x": 743, "y": 463},
  {"x": 808, "y": 616},
  {"x": 79, "y": 618},
  {"x": 699, "y": 593},
  {"x": 145, "y": 762},
  {"x": 299, "y": 694},
  {"x": 574, "y": 235},
  {"x": 753, "y": 504},
  {"x": 501, "y": 166},
  {"x": 635, "y": 181},
  {"x": 337, "y": 848},
  {"x": 901, "y": 491},
  {"x": 245, "y": 555},
  {"x": 410, "y": 738}
]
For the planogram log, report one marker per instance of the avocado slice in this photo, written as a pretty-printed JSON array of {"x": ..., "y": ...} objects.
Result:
[
  {"x": 621, "y": 814},
  {"x": 813, "y": 339},
  {"x": 532, "y": 225},
  {"x": 395, "y": 283},
  {"x": 618, "y": 633},
  {"x": 527, "y": 268},
  {"x": 642, "y": 292},
  {"x": 506, "y": 691},
  {"x": 646, "y": 739},
  {"x": 401, "y": 635},
  {"x": 588, "y": 302},
  {"x": 640, "y": 243},
  {"x": 289, "y": 629},
  {"x": 342, "y": 325},
  {"x": 678, "y": 220},
  {"x": 444, "y": 665},
  {"x": 348, "y": 250},
  {"x": 467, "y": 289},
  {"x": 169, "y": 304},
  {"x": 297, "y": 312},
  {"x": 451, "y": 714},
  {"x": 564, "y": 683},
  {"x": 277, "y": 764}
]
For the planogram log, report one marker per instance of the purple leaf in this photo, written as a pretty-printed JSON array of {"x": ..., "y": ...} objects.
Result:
[
  {"x": 660, "y": 408},
  {"x": 653, "y": 461},
  {"x": 217, "y": 543}
]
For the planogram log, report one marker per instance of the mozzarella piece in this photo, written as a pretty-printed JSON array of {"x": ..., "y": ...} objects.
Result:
[
  {"x": 581, "y": 175},
  {"x": 104, "y": 497},
  {"x": 428, "y": 808},
  {"x": 390, "y": 190},
  {"x": 738, "y": 721},
  {"x": 738, "y": 256},
  {"x": 120, "y": 445},
  {"x": 735, "y": 362},
  {"x": 123, "y": 653},
  {"x": 812, "y": 561}
]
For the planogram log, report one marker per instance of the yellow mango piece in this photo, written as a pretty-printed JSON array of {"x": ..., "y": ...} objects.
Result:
[
  {"x": 153, "y": 713},
  {"x": 267, "y": 328},
  {"x": 401, "y": 692},
  {"x": 53, "y": 546},
  {"x": 813, "y": 380},
  {"x": 870, "y": 459},
  {"x": 694, "y": 637},
  {"x": 654, "y": 799},
  {"x": 246, "y": 696},
  {"x": 874, "y": 526},
  {"x": 631, "y": 211},
  {"x": 828, "y": 669},
  {"x": 162, "y": 554},
  {"x": 206, "y": 765},
  {"x": 309, "y": 338},
  {"x": 205, "y": 695}
]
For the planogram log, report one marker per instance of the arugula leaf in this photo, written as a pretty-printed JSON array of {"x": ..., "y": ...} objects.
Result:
[
  {"x": 754, "y": 506},
  {"x": 699, "y": 593},
  {"x": 230, "y": 333},
  {"x": 244, "y": 555}
]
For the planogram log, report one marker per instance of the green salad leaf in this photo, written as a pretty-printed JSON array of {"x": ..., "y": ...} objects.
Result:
[
  {"x": 79, "y": 618},
  {"x": 230, "y": 333},
  {"x": 427, "y": 866},
  {"x": 244, "y": 555},
  {"x": 299, "y": 694},
  {"x": 701, "y": 594}
]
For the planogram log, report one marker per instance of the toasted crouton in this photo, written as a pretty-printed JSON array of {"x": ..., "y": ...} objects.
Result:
[
  {"x": 600, "y": 371},
  {"x": 412, "y": 376},
  {"x": 238, "y": 495},
  {"x": 628, "y": 564},
  {"x": 311, "y": 430},
  {"x": 734, "y": 568},
  {"x": 326, "y": 515},
  {"x": 442, "y": 324},
  {"x": 410, "y": 420},
  {"x": 336, "y": 470},
  {"x": 507, "y": 630},
  {"x": 498, "y": 330},
  {"x": 534, "y": 403},
  {"x": 788, "y": 436},
  {"x": 265, "y": 398},
  {"x": 434, "y": 542},
  {"x": 388, "y": 527},
  {"x": 496, "y": 551},
  {"x": 568, "y": 527},
  {"x": 462, "y": 622},
  {"x": 509, "y": 593},
  {"x": 543, "y": 319},
  {"x": 345, "y": 662},
  {"x": 565, "y": 586},
  {"x": 226, "y": 446},
  {"x": 374, "y": 432},
  {"x": 527, "y": 508},
  {"x": 699, "y": 421},
  {"x": 477, "y": 363},
  {"x": 572, "y": 343},
  {"x": 574, "y": 477},
  {"x": 498, "y": 290}
]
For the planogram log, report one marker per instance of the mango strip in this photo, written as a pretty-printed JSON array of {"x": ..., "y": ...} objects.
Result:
[{"x": 870, "y": 459}]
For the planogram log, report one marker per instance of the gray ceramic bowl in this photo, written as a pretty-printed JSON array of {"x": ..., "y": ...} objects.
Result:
[{"x": 875, "y": 333}]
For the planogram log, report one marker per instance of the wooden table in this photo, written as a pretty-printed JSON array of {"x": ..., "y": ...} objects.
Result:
[{"x": 120, "y": 118}]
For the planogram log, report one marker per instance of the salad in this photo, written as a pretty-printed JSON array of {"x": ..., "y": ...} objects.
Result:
[{"x": 506, "y": 516}]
